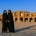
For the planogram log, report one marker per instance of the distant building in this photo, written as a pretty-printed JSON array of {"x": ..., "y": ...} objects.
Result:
[{"x": 23, "y": 16}]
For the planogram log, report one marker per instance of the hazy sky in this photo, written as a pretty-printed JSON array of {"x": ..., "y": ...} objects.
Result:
[{"x": 15, "y": 5}]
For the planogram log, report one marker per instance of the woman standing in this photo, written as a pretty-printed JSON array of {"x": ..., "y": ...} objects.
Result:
[
  {"x": 10, "y": 21},
  {"x": 4, "y": 21}
]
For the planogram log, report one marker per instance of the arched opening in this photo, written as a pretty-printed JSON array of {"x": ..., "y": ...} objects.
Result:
[
  {"x": 21, "y": 19},
  {"x": 35, "y": 19},
  {"x": 30, "y": 19},
  {"x": 15, "y": 19},
  {"x": 27, "y": 15},
  {"x": 26, "y": 19}
]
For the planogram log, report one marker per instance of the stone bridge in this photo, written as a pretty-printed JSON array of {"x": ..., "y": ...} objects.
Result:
[{"x": 22, "y": 16}]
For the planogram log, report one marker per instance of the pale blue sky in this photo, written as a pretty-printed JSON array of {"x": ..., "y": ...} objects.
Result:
[{"x": 15, "y": 5}]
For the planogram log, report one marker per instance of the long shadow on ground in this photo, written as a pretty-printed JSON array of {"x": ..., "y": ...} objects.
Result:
[{"x": 18, "y": 30}]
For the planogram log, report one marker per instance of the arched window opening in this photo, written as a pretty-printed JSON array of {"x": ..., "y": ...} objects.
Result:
[
  {"x": 26, "y": 19},
  {"x": 21, "y": 19},
  {"x": 35, "y": 19},
  {"x": 30, "y": 19},
  {"x": 15, "y": 19},
  {"x": 27, "y": 15}
]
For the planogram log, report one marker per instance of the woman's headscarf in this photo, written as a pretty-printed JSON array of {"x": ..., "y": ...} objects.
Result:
[
  {"x": 4, "y": 11},
  {"x": 10, "y": 15},
  {"x": 9, "y": 10},
  {"x": 4, "y": 15}
]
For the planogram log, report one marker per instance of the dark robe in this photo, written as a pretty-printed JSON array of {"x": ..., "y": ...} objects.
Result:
[
  {"x": 4, "y": 23},
  {"x": 11, "y": 23}
]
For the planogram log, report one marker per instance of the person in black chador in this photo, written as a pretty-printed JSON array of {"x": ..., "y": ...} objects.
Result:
[
  {"x": 10, "y": 22},
  {"x": 4, "y": 21}
]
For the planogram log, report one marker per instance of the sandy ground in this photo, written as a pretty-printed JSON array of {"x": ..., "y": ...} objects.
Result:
[{"x": 21, "y": 29}]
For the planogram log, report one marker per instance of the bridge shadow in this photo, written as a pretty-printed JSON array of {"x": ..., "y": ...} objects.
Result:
[{"x": 18, "y": 30}]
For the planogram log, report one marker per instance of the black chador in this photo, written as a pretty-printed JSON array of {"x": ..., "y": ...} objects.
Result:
[
  {"x": 4, "y": 21},
  {"x": 10, "y": 21}
]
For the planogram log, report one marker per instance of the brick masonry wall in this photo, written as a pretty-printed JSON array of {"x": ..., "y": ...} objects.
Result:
[{"x": 22, "y": 16}]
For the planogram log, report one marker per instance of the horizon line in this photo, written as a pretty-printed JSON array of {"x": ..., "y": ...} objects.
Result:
[{"x": 22, "y": 11}]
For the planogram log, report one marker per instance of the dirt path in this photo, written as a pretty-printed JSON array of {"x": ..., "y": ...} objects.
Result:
[{"x": 21, "y": 29}]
